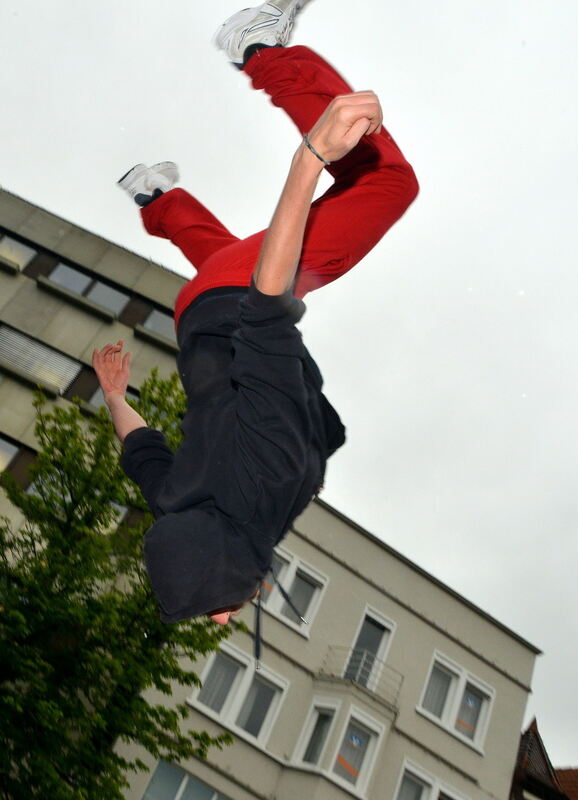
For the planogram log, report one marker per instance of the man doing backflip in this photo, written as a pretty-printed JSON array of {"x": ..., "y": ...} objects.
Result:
[{"x": 258, "y": 429}]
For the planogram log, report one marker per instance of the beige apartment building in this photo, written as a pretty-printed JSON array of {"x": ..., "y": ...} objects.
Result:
[{"x": 395, "y": 688}]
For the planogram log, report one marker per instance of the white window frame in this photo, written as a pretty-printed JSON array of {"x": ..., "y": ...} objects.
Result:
[
  {"x": 383, "y": 652},
  {"x": 377, "y": 729},
  {"x": 434, "y": 785},
  {"x": 238, "y": 693},
  {"x": 461, "y": 677},
  {"x": 324, "y": 703},
  {"x": 275, "y": 600}
]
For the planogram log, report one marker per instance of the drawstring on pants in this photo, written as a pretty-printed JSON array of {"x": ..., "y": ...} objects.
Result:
[{"x": 258, "y": 617}]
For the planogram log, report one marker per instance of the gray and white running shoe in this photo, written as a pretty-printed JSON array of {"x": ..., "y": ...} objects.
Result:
[
  {"x": 269, "y": 24},
  {"x": 142, "y": 182}
]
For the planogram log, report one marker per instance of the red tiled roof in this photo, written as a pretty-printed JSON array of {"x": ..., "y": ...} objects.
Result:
[{"x": 568, "y": 779}]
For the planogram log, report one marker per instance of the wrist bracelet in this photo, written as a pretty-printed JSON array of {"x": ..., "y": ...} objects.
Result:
[{"x": 314, "y": 151}]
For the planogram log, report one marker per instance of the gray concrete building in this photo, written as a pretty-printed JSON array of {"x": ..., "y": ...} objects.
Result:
[{"x": 395, "y": 688}]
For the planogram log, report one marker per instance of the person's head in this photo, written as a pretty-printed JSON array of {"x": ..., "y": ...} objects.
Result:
[
  {"x": 198, "y": 564},
  {"x": 222, "y": 615}
]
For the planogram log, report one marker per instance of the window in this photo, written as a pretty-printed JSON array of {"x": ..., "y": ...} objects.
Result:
[
  {"x": 161, "y": 322},
  {"x": 86, "y": 286},
  {"x": 438, "y": 689},
  {"x": 416, "y": 784},
  {"x": 314, "y": 749},
  {"x": 7, "y": 452},
  {"x": 219, "y": 682},
  {"x": 278, "y": 568},
  {"x": 15, "y": 252},
  {"x": 412, "y": 788},
  {"x": 36, "y": 361},
  {"x": 457, "y": 700},
  {"x": 356, "y": 753},
  {"x": 365, "y": 659},
  {"x": 243, "y": 698},
  {"x": 351, "y": 762},
  {"x": 317, "y": 731},
  {"x": 470, "y": 710},
  {"x": 302, "y": 591},
  {"x": 303, "y": 584},
  {"x": 170, "y": 782},
  {"x": 257, "y": 703}
]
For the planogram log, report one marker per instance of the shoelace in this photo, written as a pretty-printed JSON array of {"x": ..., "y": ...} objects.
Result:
[{"x": 257, "y": 648}]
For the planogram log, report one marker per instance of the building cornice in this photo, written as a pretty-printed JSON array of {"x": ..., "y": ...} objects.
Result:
[
  {"x": 411, "y": 609},
  {"x": 424, "y": 573}
]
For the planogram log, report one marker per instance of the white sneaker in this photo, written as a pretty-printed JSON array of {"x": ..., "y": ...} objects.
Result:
[
  {"x": 269, "y": 24},
  {"x": 144, "y": 184}
]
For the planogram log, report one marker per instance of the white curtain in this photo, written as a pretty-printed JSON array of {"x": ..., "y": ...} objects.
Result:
[
  {"x": 469, "y": 712},
  {"x": 352, "y": 752},
  {"x": 319, "y": 735},
  {"x": 256, "y": 705},
  {"x": 437, "y": 690},
  {"x": 411, "y": 788},
  {"x": 218, "y": 682},
  {"x": 301, "y": 593}
]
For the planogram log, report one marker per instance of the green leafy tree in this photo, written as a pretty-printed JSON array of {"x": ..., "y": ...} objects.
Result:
[{"x": 81, "y": 641}]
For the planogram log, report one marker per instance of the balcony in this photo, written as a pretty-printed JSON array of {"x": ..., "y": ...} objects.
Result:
[{"x": 362, "y": 669}]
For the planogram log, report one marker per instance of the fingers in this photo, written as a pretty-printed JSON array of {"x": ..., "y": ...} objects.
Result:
[
  {"x": 352, "y": 107},
  {"x": 112, "y": 368},
  {"x": 110, "y": 356},
  {"x": 370, "y": 111},
  {"x": 110, "y": 352},
  {"x": 356, "y": 99},
  {"x": 359, "y": 128},
  {"x": 114, "y": 351}
]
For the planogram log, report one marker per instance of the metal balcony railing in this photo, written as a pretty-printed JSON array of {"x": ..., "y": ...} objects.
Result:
[{"x": 361, "y": 667}]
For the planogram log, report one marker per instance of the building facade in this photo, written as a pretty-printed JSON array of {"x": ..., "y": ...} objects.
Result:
[
  {"x": 396, "y": 687},
  {"x": 63, "y": 292}
]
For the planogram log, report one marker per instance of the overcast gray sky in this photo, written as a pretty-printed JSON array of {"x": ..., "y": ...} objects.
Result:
[{"x": 451, "y": 351}]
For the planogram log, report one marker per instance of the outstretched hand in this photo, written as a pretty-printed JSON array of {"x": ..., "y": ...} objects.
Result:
[
  {"x": 345, "y": 120},
  {"x": 112, "y": 369}
]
